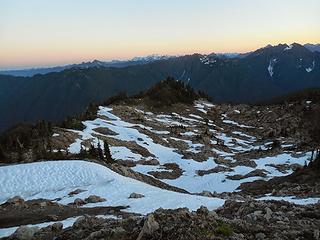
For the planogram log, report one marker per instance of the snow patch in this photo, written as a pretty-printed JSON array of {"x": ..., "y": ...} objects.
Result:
[
  {"x": 288, "y": 48},
  {"x": 271, "y": 65},
  {"x": 310, "y": 69}
]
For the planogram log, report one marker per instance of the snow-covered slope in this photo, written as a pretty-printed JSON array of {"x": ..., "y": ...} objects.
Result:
[
  {"x": 56, "y": 179},
  {"x": 222, "y": 170}
]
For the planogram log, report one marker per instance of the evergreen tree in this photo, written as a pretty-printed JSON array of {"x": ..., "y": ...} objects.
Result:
[
  {"x": 92, "y": 151},
  {"x": 107, "y": 152},
  {"x": 2, "y": 154},
  {"x": 83, "y": 152},
  {"x": 100, "y": 152}
]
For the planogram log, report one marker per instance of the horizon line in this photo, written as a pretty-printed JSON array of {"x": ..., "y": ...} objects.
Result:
[{"x": 64, "y": 64}]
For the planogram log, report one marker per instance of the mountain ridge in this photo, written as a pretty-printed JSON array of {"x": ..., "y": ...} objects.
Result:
[
  {"x": 28, "y": 72},
  {"x": 263, "y": 74}
]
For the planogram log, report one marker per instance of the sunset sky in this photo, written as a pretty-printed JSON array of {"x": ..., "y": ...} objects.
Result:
[{"x": 45, "y": 33}]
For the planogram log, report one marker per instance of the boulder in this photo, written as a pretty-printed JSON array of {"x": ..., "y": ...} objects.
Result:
[
  {"x": 268, "y": 214},
  {"x": 57, "y": 226},
  {"x": 79, "y": 202},
  {"x": 94, "y": 199},
  {"x": 75, "y": 192},
  {"x": 136, "y": 195},
  {"x": 150, "y": 226},
  {"x": 206, "y": 194},
  {"x": 203, "y": 211},
  {"x": 17, "y": 201},
  {"x": 53, "y": 217},
  {"x": 25, "y": 233},
  {"x": 260, "y": 236}
]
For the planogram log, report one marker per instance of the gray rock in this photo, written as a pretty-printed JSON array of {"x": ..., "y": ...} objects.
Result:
[
  {"x": 79, "y": 202},
  {"x": 43, "y": 204},
  {"x": 257, "y": 213},
  {"x": 25, "y": 232},
  {"x": 53, "y": 217},
  {"x": 94, "y": 199},
  {"x": 316, "y": 234},
  {"x": 149, "y": 227},
  {"x": 17, "y": 200},
  {"x": 57, "y": 226},
  {"x": 136, "y": 195},
  {"x": 268, "y": 214},
  {"x": 79, "y": 222},
  {"x": 260, "y": 236},
  {"x": 206, "y": 194},
  {"x": 203, "y": 210},
  {"x": 75, "y": 192},
  {"x": 213, "y": 214}
]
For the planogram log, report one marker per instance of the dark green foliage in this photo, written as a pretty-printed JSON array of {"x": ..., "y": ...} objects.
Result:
[
  {"x": 169, "y": 92},
  {"x": 100, "y": 152},
  {"x": 122, "y": 96},
  {"x": 276, "y": 144},
  {"x": 75, "y": 122},
  {"x": 310, "y": 94},
  {"x": 25, "y": 136},
  {"x": 83, "y": 153},
  {"x": 2, "y": 154},
  {"x": 93, "y": 151},
  {"x": 224, "y": 229},
  {"x": 311, "y": 121},
  {"x": 107, "y": 152}
]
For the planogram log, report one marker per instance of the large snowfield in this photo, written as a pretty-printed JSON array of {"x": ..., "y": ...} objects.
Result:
[
  {"x": 55, "y": 179},
  {"x": 190, "y": 180}
]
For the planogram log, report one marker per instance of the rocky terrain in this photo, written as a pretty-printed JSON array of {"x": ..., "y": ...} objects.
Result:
[
  {"x": 235, "y": 220},
  {"x": 166, "y": 164},
  {"x": 231, "y": 144}
]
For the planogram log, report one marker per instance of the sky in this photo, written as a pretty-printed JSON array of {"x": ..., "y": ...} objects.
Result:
[{"x": 35, "y": 33}]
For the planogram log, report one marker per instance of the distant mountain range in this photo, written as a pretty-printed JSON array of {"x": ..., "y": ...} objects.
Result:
[
  {"x": 121, "y": 63},
  {"x": 247, "y": 78},
  {"x": 95, "y": 63}
]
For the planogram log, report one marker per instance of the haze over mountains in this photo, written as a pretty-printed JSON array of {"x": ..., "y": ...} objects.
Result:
[
  {"x": 29, "y": 72},
  {"x": 260, "y": 75},
  {"x": 95, "y": 63}
]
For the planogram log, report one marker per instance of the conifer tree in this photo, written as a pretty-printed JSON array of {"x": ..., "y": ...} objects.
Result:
[
  {"x": 2, "y": 154},
  {"x": 107, "y": 152},
  {"x": 100, "y": 152},
  {"x": 92, "y": 151}
]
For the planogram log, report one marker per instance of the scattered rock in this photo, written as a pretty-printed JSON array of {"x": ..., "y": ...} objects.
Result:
[
  {"x": 260, "y": 236},
  {"x": 43, "y": 204},
  {"x": 136, "y": 195},
  {"x": 53, "y": 217},
  {"x": 268, "y": 214},
  {"x": 25, "y": 233},
  {"x": 17, "y": 201},
  {"x": 75, "y": 192},
  {"x": 57, "y": 226},
  {"x": 149, "y": 227},
  {"x": 79, "y": 202},
  {"x": 94, "y": 199}
]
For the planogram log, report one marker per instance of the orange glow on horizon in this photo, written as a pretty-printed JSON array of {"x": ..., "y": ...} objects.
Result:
[{"x": 43, "y": 33}]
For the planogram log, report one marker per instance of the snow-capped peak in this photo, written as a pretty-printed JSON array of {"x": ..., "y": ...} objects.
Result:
[
  {"x": 150, "y": 58},
  {"x": 288, "y": 47}
]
